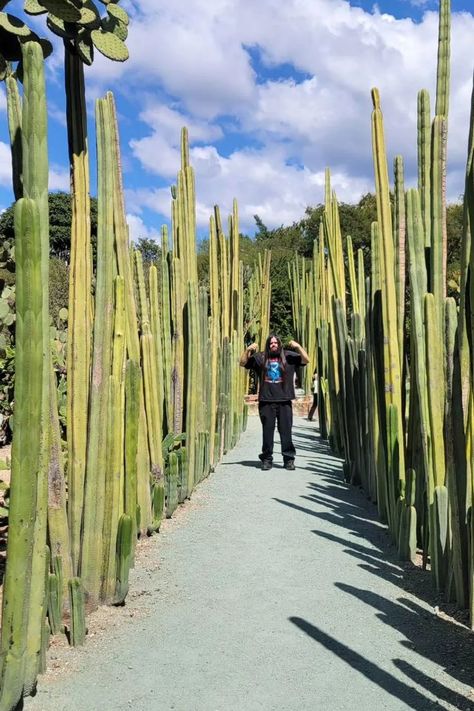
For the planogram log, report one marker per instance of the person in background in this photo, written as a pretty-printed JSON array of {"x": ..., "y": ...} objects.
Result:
[
  {"x": 275, "y": 368},
  {"x": 315, "y": 387}
]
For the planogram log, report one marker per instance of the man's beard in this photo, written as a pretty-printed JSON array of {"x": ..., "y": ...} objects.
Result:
[{"x": 275, "y": 352}]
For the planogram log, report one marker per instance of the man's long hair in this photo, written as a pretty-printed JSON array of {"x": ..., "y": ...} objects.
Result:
[{"x": 281, "y": 353}]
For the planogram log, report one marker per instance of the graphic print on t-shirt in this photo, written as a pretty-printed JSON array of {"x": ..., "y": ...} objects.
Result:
[{"x": 274, "y": 372}]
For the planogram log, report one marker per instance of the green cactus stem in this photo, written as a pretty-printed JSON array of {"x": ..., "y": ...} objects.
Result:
[
  {"x": 77, "y": 630},
  {"x": 35, "y": 186},
  {"x": 25, "y": 452},
  {"x": 80, "y": 300},
  {"x": 132, "y": 409},
  {"x": 92, "y": 542},
  {"x": 124, "y": 557}
]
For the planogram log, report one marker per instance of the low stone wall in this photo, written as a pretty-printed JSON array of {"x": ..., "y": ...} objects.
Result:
[{"x": 300, "y": 406}]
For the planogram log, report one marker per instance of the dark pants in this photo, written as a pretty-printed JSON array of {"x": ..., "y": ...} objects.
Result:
[
  {"x": 313, "y": 406},
  {"x": 282, "y": 414}
]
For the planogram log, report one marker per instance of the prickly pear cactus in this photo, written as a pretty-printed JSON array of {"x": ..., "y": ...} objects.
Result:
[
  {"x": 111, "y": 46},
  {"x": 78, "y": 21}
]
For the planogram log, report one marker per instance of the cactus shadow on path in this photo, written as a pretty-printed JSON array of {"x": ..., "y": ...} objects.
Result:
[
  {"x": 393, "y": 686},
  {"x": 362, "y": 537}
]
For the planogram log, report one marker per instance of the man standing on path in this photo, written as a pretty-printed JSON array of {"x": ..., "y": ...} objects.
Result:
[{"x": 275, "y": 368}]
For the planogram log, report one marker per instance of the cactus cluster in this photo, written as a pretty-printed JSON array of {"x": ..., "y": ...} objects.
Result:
[
  {"x": 396, "y": 402},
  {"x": 154, "y": 396}
]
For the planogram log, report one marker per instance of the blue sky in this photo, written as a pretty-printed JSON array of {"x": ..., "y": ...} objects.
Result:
[{"x": 271, "y": 93}]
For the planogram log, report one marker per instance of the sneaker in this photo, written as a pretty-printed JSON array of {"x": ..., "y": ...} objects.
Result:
[
  {"x": 290, "y": 465},
  {"x": 266, "y": 465}
]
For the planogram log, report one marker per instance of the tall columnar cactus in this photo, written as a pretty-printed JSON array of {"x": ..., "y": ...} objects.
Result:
[
  {"x": 58, "y": 530},
  {"x": 424, "y": 161},
  {"x": 92, "y": 542},
  {"x": 114, "y": 478},
  {"x": 26, "y": 450},
  {"x": 151, "y": 394},
  {"x": 234, "y": 239},
  {"x": 132, "y": 337},
  {"x": 399, "y": 237},
  {"x": 192, "y": 389},
  {"x": 224, "y": 275},
  {"x": 156, "y": 329},
  {"x": 391, "y": 351},
  {"x": 166, "y": 332},
  {"x": 35, "y": 186},
  {"x": 133, "y": 386},
  {"x": 80, "y": 300},
  {"x": 214, "y": 332},
  {"x": 177, "y": 374}
]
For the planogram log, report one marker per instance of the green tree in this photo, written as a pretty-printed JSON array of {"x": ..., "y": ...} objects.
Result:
[
  {"x": 60, "y": 217},
  {"x": 150, "y": 249}
]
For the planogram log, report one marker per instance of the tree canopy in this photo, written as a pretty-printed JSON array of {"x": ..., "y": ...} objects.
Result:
[{"x": 60, "y": 217}]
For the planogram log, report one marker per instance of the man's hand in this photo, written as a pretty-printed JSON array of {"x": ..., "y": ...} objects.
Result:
[
  {"x": 301, "y": 351},
  {"x": 247, "y": 354}
]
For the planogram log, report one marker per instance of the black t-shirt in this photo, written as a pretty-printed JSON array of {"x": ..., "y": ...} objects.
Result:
[{"x": 275, "y": 384}]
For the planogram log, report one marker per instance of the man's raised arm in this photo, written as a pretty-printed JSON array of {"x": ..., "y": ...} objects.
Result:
[
  {"x": 301, "y": 351},
  {"x": 248, "y": 352}
]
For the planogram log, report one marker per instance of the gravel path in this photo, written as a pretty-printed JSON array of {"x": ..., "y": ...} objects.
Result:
[{"x": 268, "y": 591}]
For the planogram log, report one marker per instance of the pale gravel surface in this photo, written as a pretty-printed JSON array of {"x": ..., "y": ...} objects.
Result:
[{"x": 269, "y": 591}]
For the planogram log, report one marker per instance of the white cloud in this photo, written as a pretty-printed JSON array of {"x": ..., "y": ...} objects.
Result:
[
  {"x": 160, "y": 152},
  {"x": 59, "y": 178},
  {"x": 324, "y": 118},
  {"x": 137, "y": 229},
  {"x": 193, "y": 64},
  {"x": 5, "y": 164},
  {"x": 420, "y": 3},
  {"x": 263, "y": 181}
]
